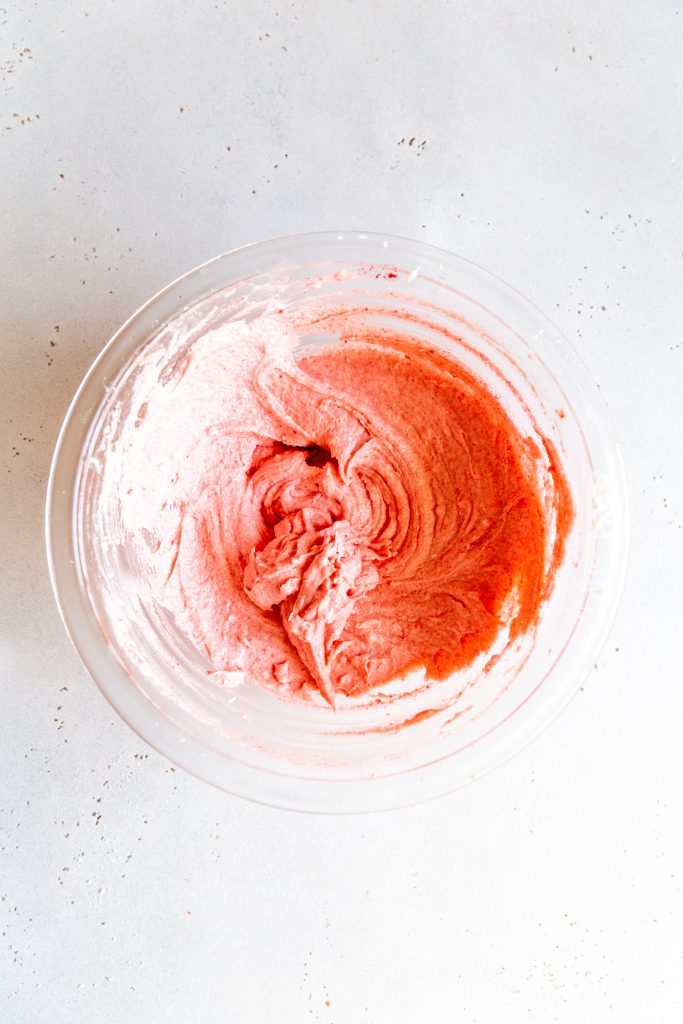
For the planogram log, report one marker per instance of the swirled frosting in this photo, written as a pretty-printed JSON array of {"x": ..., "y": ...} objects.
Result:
[{"x": 334, "y": 520}]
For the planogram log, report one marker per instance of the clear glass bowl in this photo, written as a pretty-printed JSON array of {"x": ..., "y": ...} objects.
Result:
[{"x": 246, "y": 739}]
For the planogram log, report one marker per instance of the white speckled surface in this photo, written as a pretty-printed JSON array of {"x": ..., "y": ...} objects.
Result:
[{"x": 137, "y": 141}]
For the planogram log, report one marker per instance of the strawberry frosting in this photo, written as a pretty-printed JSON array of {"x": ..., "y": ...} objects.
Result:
[{"x": 330, "y": 521}]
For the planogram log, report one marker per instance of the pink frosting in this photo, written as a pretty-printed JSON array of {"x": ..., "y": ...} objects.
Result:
[{"x": 336, "y": 520}]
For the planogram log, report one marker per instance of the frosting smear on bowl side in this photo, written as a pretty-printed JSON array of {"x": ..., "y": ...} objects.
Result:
[{"x": 334, "y": 520}]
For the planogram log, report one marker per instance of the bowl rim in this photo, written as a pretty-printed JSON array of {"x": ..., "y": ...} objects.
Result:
[{"x": 260, "y": 785}]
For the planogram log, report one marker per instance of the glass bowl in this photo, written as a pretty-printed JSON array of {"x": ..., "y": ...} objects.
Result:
[{"x": 415, "y": 742}]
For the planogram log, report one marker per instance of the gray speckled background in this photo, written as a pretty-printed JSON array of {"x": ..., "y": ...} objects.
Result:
[{"x": 137, "y": 140}]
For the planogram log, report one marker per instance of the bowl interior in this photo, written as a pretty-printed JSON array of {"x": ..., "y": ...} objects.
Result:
[{"x": 408, "y": 740}]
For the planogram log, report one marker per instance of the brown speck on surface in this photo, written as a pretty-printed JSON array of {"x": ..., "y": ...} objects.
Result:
[
  {"x": 61, "y": 176},
  {"x": 181, "y": 110}
]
